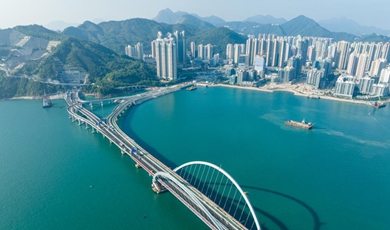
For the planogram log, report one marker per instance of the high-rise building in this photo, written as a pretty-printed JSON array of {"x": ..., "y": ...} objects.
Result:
[
  {"x": 209, "y": 52},
  {"x": 385, "y": 76},
  {"x": 229, "y": 52},
  {"x": 193, "y": 49},
  {"x": 181, "y": 52},
  {"x": 361, "y": 66},
  {"x": 352, "y": 63},
  {"x": 365, "y": 85},
  {"x": 385, "y": 54},
  {"x": 316, "y": 78},
  {"x": 201, "y": 53},
  {"x": 342, "y": 54},
  {"x": 140, "y": 50},
  {"x": 303, "y": 45},
  {"x": 345, "y": 86},
  {"x": 136, "y": 51},
  {"x": 259, "y": 63},
  {"x": 377, "y": 67},
  {"x": 153, "y": 48},
  {"x": 166, "y": 60},
  {"x": 269, "y": 53},
  {"x": 380, "y": 90}
]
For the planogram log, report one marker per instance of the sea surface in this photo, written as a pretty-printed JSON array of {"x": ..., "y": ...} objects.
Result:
[{"x": 55, "y": 174}]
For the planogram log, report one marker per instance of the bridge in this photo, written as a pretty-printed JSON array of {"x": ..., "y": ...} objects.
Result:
[{"x": 206, "y": 189}]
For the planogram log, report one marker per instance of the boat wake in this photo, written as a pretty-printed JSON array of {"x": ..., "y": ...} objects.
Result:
[{"x": 358, "y": 140}]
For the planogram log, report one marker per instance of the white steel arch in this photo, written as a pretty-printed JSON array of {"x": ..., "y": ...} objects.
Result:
[
  {"x": 230, "y": 178},
  {"x": 193, "y": 198}
]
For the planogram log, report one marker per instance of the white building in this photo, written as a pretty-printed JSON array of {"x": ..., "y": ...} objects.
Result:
[
  {"x": 385, "y": 75},
  {"x": 166, "y": 60},
  {"x": 345, "y": 86},
  {"x": 380, "y": 90},
  {"x": 314, "y": 77},
  {"x": 365, "y": 85}
]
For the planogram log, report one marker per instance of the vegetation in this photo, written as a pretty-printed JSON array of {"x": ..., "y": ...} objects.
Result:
[
  {"x": 218, "y": 37},
  {"x": 192, "y": 20},
  {"x": 16, "y": 87},
  {"x": 118, "y": 34},
  {"x": 106, "y": 69},
  {"x": 39, "y": 32}
]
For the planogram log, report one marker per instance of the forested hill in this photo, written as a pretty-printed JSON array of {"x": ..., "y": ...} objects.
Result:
[{"x": 106, "y": 68}]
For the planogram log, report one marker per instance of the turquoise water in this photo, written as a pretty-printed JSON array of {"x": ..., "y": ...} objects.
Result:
[
  {"x": 47, "y": 168},
  {"x": 56, "y": 174},
  {"x": 332, "y": 177}
]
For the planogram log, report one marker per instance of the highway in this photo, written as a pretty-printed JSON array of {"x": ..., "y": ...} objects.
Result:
[{"x": 209, "y": 212}]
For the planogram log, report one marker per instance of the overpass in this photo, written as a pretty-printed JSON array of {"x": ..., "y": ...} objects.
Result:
[{"x": 196, "y": 184}]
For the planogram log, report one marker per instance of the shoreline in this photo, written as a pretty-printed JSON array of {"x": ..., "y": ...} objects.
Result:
[
  {"x": 296, "y": 93},
  {"x": 51, "y": 97}
]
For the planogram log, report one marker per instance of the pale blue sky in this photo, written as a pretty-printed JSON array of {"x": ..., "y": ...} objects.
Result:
[{"x": 25, "y": 12}]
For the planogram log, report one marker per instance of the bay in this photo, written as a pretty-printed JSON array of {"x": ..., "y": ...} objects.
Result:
[
  {"x": 56, "y": 174},
  {"x": 332, "y": 177}
]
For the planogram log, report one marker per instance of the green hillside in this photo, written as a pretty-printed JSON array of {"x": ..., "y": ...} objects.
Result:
[
  {"x": 188, "y": 19},
  {"x": 218, "y": 37},
  {"x": 16, "y": 87},
  {"x": 38, "y": 32},
  {"x": 304, "y": 26},
  {"x": 106, "y": 68},
  {"x": 118, "y": 34}
]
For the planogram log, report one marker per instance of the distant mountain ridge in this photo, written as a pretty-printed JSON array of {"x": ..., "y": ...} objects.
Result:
[
  {"x": 170, "y": 17},
  {"x": 267, "y": 19},
  {"x": 339, "y": 25},
  {"x": 350, "y": 26}
]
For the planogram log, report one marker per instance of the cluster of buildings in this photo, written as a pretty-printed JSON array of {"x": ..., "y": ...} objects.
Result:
[{"x": 358, "y": 68}]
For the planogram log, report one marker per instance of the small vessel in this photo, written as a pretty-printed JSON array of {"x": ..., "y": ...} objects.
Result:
[
  {"x": 302, "y": 124},
  {"x": 378, "y": 105},
  {"x": 191, "y": 88},
  {"x": 46, "y": 103}
]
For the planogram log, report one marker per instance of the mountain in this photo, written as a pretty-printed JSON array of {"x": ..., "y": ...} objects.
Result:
[
  {"x": 373, "y": 38},
  {"x": 219, "y": 37},
  {"x": 254, "y": 28},
  {"x": 350, "y": 26},
  {"x": 106, "y": 68},
  {"x": 188, "y": 19},
  {"x": 214, "y": 20},
  {"x": 118, "y": 34},
  {"x": 168, "y": 16},
  {"x": 267, "y": 19},
  {"x": 38, "y": 31},
  {"x": 305, "y": 26},
  {"x": 59, "y": 25}
]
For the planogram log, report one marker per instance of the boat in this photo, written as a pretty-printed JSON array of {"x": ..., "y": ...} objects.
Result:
[
  {"x": 302, "y": 124},
  {"x": 191, "y": 88},
  {"x": 46, "y": 103},
  {"x": 378, "y": 105}
]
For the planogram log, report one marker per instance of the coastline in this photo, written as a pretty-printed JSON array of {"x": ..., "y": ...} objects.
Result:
[
  {"x": 281, "y": 88},
  {"x": 51, "y": 97}
]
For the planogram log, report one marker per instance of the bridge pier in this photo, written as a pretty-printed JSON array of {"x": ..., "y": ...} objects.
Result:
[
  {"x": 86, "y": 125},
  {"x": 101, "y": 103}
]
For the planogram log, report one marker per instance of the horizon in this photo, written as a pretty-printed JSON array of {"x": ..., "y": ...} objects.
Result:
[{"x": 24, "y": 12}]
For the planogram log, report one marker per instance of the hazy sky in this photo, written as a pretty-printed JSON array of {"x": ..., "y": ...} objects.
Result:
[{"x": 25, "y": 12}]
